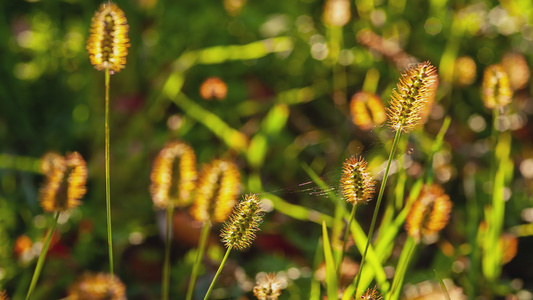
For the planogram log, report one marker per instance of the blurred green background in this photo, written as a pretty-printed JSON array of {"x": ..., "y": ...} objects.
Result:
[{"x": 290, "y": 77}]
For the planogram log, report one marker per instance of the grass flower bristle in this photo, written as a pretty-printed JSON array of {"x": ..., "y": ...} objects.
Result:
[
  {"x": 356, "y": 182},
  {"x": 496, "y": 88},
  {"x": 65, "y": 182},
  {"x": 416, "y": 87},
  {"x": 239, "y": 230},
  {"x": 371, "y": 294},
  {"x": 219, "y": 185},
  {"x": 429, "y": 214},
  {"x": 213, "y": 88},
  {"x": 108, "y": 41},
  {"x": 337, "y": 12},
  {"x": 99, "y": 286},
  {"x": 367, "y": 110},
  {"x": 268, "y": 287},
  {"x": 173, "y": 175}
]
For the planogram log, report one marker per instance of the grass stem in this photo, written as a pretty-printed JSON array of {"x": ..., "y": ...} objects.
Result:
[
  {"x": 345, "y": 241},
  {"x": 201, "y": 249},
  {"x": 218, "y": 273},
  {"x": 107, "y": 181},
  {"x": 168, "y": 242}
]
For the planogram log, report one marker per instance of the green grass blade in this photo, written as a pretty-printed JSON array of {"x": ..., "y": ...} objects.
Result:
[
  {"x": 442, "y": 286},
  {"x": 331, "y": 273}
]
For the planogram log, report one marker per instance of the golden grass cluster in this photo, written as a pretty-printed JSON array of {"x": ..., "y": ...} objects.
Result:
[
  {"x": 173, "y": 175},
  {"x": 108, "y": 42},
  {"x": 239, "y": 230},
  {"x": 100, "y": 286},
  {"x": 415, "y": 91},
  {"x": 268, "y": 287},
  {"x": 219, "y": 185},
  {"x": 65, "y": 181},
  {"x": 367, "y": 110},
  {"x": 213, "y": 88},
  {"x": 356, "y": 182},
  {"x": 496, "y": 88}
]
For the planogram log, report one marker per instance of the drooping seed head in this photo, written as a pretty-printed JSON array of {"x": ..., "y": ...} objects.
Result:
[
  {"x": 371, "y": 294},
  {"x": 239, "y": 230},
  {"x": 213, "y": 88},
  {"x": 367, "y": 110},
  {"x": 515, "y": 65},
  {"x": 101, "y": 286},
  {"x": 268, "y": 287},
  {"x": 496, "y": 88},
  {"x": 219, "y": 185},
  {"x": 337, "y": 12},
  {"x": 108, "y": 42},
  {"x": 417, "y": 86},
  {"x": 65, "y": 182},
  {"x": 173, "y": 175},
  {"x": 429, "y": 214},
  {"x": 356, "y": 182}
]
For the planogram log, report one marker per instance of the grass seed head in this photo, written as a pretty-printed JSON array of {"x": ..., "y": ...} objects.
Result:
[
  {"x": 356, "y": 182},
  {"x": 268, "y": 287},
  {"x": 367, "y": 110},
  {"x": 497, "y": 91},
  {"x": 239, "y": 230},
  {"x": 464, "y": 73},
  {"x": 417, "y": 87},
  {"x": 515, "y": 65},
  {"x": 108, "y": 40},
  {"x": 213, "y": 88},
  {"x": 371, "y": 294},
  {"x": 219, "y": 185},
  {"x": 3, "y": 295},
  {"x": 65, "y": 182},
  {"x": 174, "y": 169},
  {"x": 99, "y": 286}
]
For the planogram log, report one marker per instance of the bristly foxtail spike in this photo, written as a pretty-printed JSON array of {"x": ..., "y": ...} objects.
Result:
[
  {"x": 356, "y": 182},
  {"x": 108, "y": 40},
  {"x": 239, "y": 230}
]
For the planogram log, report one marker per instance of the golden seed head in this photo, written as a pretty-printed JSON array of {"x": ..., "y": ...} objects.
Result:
[
  {"x": 416, "y": 88},
  {"x": 219, "y": 185},
  {"x": 173, "y": 175},
  {"x": 496, "y": 88},
  {"x": 239, "y": 230},
  {"x": 516, "y": 67},
  {"x": 371, "y": 294},
  {"x": 429, "y": 214},
  {"x": 101, "y": 286},
  {"x": 464, "y": 71},
  {"x": 509, "y": 246},
  {"x": 3, "y": 295},
  {"x": 108, "y": 40},
  {"x": 268, "y": 287},
  {"x": 337, "y": 12},
  {"x": 367, "y": 110},
  {"x": 23, "y": 244},
  {"x": 65, "y": 182},
  {"x": 213, "y": 88},
  {"x": 356, "y": 182}
]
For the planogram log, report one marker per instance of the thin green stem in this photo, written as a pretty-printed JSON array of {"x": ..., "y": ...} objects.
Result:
[
  {"x": 107, "y": 181},
  {"x": 345, "y": 241},
  {"x": 42, "y": 256},
  {"x": 218, "y": 273},
  {"x": 168, "y": 234},
  {"x": 378, "y": 203},
  {"x": 201, "y": 249}
]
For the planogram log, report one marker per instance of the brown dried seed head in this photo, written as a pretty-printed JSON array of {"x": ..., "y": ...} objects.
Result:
[
  {"x": 64, "y": 184},
  {"x": 268, "y": 287},
  {"x": 99, "y": 286},
  {"x": 464, "y": 71},
  {"x": 219, "y": 185},
  {"x": 371, "y": 294},
  {"x": 496, "y": 88},
  {"x": 3, "y": 295},
  {"x": 367, "y": 110},
  {"x": 213, "y": 88},
  {"x": 429, "y": 214},
  {"x": 337, "y": 12},
  {"x": 173, "y": 175},
  {"x": 108, "y": 42},
  {"x": 356, "y": 182},
  {"x": 239, "y": 230},
  {"x": 516, "y": 67},
  {"x": 416, "y": 88}
]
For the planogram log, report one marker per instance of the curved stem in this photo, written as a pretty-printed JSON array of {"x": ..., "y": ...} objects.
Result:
[
  {"x": 199, "y": 255},
  {"x": 107, "y": 181},
  {"x": 345, "y": 241},
  {"x": 166, "y": 267},
  {"x": 218, "y": 273},
  {"x": 378, "y": 203},
  {"x": 42, "y": 256}
]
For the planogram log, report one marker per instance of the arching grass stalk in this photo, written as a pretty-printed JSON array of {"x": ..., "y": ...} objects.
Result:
[
  {"x": 168, "y": 242},
  {"x": 42, "y": 256},
  {"x": 218, "y": 273},
  {"x": 199, "y": 255}
]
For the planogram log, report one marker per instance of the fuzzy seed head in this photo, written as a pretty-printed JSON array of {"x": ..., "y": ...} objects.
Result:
[
  {"x": 213, "y": 88},
  {"x": 3, "y": 295},
  {"x": 268, "y": 287},
  {"x": 108, "y": 40},
  {"x": 497, "y": 91},
  {"x": 64, "y": 183},
  {"x": 429, "y": 214},
  {"x": 371, "y": 294},
  {"x": 239, "y": 230},
  {"x": 219, "y": 185},
  {"x": 367, "y": 110},
  {"x": 515, "y": 65},
  {"x": 173, "y": 175},
  {"x": 464, "y": 71},
  {"x": 337, "y": 12},
  {"x": 417, "y": 86},
  {"x": 99, "y": 286},
  {"x": 356, "y": 182}
]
